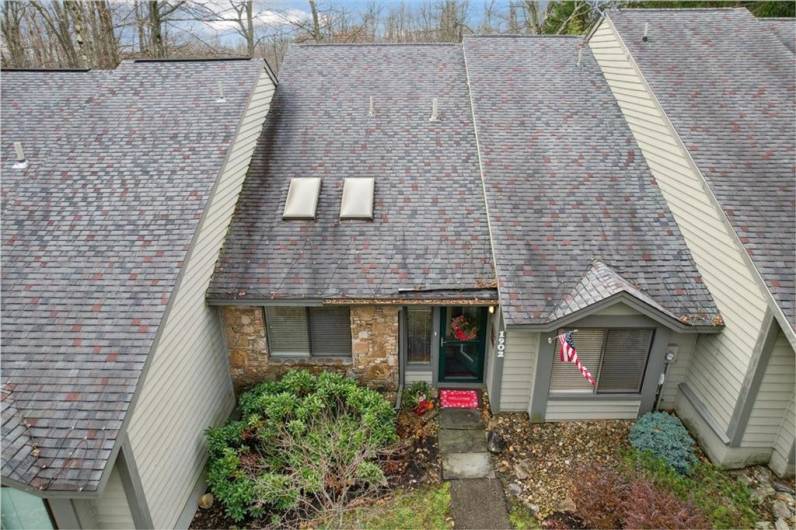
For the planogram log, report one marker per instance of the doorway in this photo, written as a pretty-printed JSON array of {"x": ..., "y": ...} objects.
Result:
[{"x": 462, "y": 344}]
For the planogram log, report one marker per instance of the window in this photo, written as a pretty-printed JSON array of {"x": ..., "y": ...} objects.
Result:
[
  {"x": 357, "y": 202},
  {"x": 302, "y": 198},
  {"x": 305, "y": 331},
  {"x": 419, "y": 325},
  {"x": 616, "y": 358},
  {"x": 21, "y": 510}
]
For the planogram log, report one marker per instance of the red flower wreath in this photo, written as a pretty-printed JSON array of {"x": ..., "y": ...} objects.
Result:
[{"x": 463, "y": 329}]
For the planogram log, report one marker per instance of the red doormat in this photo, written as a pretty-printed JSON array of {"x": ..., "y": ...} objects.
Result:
[{"x": 458, "y": 399}]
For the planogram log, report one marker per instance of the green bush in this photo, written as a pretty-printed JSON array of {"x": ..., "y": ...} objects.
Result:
[
  {"x": 411, "y": 394},
  {"x": 664, "y": 436},
  {"x": 726, "y": 502},
  {"x": 304, "y": 444}
]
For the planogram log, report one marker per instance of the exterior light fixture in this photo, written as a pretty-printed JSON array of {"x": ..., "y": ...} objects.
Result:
[{"x": 491, "y": 310}]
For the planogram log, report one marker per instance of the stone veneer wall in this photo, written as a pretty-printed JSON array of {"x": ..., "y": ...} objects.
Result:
[{"x": 374, "y": 348}]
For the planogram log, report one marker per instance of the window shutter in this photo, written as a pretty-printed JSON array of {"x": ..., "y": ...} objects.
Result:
[
  {"x": 565, "y": 376},
  {"x": 287, "y": 331},
  {"x": 624, "y": 361},
  {"x": 330, "y": 330}
]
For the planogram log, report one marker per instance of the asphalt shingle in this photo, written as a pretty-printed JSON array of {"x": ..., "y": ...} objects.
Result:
[
  {"x": 429, "y": 235},
  {"x": 95, "y": 231},
  {"x": 727, "y": 83},
  {"x": 566, "y": 184}
]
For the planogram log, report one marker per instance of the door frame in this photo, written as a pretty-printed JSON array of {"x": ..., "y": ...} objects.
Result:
[{"x": 483, "y": 321}]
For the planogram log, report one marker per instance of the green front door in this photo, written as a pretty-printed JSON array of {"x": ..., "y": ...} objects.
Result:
[{"x": 462, "y": 344}]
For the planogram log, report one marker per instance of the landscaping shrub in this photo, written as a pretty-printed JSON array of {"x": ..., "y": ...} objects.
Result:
[
  {"x": 305, "y": 444},
  {"x": 598, "y": 494},
  {"x": 608, "y": 498},
  {"x": 664, "y": 436},
  {"x": 412, "y": 394},
  {"x": 726, "y": 502},
  {"x": 646, "y": 506}
]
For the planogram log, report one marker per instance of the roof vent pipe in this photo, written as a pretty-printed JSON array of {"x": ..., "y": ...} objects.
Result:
[
  {"x": 434, "y": 110},
  {"x": 221, "y": 98},
  {"x": 580, "y": 55},
  {"x": 371, "y": 108},
  {"x": 645, "y": 38},
  {"x": 21, "y": 162}
]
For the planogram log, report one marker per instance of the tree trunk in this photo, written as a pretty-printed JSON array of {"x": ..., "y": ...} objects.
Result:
[
  {"x": 316, "y": 25},
  {"x": 250, "y": 27},
  {"x": 110, "y": 52},
  {"x": 157, "y": 48}
]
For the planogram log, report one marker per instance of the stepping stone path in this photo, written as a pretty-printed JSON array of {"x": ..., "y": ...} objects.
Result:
[{"x": 477, "y": 499}]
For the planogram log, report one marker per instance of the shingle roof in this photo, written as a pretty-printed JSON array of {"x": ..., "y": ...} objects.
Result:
[
  {"x": 784, "y": 29},
  {"x": 429, "y": 231},
  {"x": 566, "y": 183},
  {"x": 727, "y": 84},
  {"x": 600, "y": 283},
  {"x": 95, "y": 230}
]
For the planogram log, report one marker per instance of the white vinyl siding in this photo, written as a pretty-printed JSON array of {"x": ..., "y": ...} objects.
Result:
[
  {"x": 108, "y": 511},
  {"x": 187, "y": 386},
  {"x": 773, "y": 398},
  {"x": 720, "y": 361},
  {"x": 781, "y": 461},
  {"x": 519, "y": 364},
  {"x": 591, "y": 409}
]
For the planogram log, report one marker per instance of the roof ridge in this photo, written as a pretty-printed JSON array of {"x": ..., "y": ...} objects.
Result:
[
  {"x": 365, "y": 44},
  {"x": 520, "y": 35},
  {"x": 698, "y": 9}
]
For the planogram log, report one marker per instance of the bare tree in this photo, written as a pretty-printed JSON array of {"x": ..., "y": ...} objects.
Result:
[{"x": 13, "y": 53}]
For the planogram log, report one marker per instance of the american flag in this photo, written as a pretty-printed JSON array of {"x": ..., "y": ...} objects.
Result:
[{"x": 568, "y": 354}]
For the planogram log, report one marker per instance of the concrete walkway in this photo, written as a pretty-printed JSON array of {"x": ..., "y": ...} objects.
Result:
[{"x": 477, "y": 500}]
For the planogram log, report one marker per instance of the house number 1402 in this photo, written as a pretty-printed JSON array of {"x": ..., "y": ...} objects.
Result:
[{"x": 501, "y": 343}]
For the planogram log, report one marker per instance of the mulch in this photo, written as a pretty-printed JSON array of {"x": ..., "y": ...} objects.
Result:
[{"x": 540, "y": 462}]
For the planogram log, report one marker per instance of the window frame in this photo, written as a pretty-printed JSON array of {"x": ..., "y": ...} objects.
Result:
[
  {"x": 309, "y": 354},
  {"x": 420, "y": 364},
  {"x": 595, "y": 393}
]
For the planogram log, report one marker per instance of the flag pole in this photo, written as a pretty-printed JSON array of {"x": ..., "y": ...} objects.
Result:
[{"x": 550, "y": 339}]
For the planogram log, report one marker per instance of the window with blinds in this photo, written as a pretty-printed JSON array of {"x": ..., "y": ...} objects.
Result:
[
  {"x": 617, "y": 358},
  {"x": 308, "y": 331}
]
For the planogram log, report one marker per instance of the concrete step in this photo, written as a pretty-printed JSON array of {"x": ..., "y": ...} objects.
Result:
[
  {"x": 466, "y": 465},
  {"x": 478, "y": 503},
  {"x": 462, "y": 441},
  {"x": 460, "y": 419}
]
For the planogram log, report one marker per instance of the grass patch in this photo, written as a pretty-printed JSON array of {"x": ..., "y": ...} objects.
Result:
[
  {"x": 521, "y": 517},
  {"x": 726, "y": 502},
  {"x": 426, "y": 508}
]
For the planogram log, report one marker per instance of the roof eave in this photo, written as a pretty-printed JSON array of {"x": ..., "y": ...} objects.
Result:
[{"x": 642, "y": 307}]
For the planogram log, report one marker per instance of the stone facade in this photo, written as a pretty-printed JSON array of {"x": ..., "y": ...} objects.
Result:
[
  {"x": 374, "y": 358},
  {"x": 374, "y": 337}
]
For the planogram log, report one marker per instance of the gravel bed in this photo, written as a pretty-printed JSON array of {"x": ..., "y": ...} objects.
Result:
[{"x": 540, "y": 460}]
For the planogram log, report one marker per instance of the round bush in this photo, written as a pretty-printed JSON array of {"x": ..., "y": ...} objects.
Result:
[
  {"x": 665, "y": 437},
  {"x": 305, "y": 444}
]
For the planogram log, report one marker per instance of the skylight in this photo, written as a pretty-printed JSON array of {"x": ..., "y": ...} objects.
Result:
[
  {"x": 302, "y": 198},
  {"x": 357, "y": 200}
]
